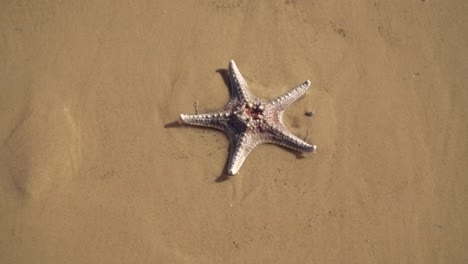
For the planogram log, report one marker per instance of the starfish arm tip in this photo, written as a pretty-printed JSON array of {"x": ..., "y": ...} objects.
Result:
[
  {"x": 183, "y": 118},
  {"x": 232, "y": 63},
  {"x": 191, "y": 120},
  {"x": 234, "y": 167},
  {"x": 235, "y": 71},
  {"x": 314, "y": 148},
  {"x": 232, "y": 171},
  {"x": 306, "y": 147}
]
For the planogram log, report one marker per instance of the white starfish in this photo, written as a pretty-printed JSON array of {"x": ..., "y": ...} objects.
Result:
[{"x": 250, "y": 121}]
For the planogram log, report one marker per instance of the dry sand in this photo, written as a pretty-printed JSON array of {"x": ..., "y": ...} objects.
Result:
[{"x": 90, "y": 174}]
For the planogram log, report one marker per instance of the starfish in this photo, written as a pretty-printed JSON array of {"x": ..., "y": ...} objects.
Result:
[{"x": 250, "y": 121}]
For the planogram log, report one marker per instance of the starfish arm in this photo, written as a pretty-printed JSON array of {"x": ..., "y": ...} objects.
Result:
[
  {"x": 241, "y": 147},
  {"x": 239, "y": 87},
  {"x": 282, "y": 136},
  {"x": 284, "y": 101},
  {"x": 214, "y": 120}
]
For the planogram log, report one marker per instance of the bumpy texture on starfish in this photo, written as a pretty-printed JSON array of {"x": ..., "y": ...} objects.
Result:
[{"x": 250, "y": 121}]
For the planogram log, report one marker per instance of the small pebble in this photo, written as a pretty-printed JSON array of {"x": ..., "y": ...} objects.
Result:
[{"x": 309, "y": 113}]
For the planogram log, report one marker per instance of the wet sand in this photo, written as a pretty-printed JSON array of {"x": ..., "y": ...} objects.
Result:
[{"x": 93, "y": 172}]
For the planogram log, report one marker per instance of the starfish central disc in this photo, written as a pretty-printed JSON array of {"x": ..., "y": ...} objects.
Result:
[
  {"x": 251, "y": 114},
  {"x": 255, "y": 111}
]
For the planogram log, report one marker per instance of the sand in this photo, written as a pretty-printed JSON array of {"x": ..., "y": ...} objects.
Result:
[{"x": 92, "y": 173}]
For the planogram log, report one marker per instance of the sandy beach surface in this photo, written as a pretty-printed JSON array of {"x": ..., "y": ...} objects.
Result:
[{"x": 92, "y": 171}]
